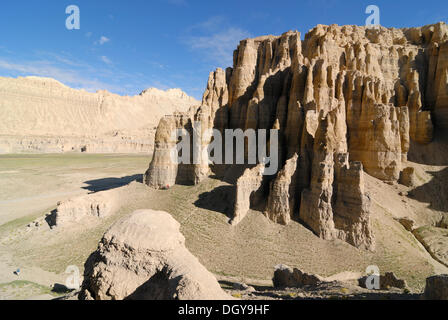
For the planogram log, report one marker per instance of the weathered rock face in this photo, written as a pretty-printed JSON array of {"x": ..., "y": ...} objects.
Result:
[
  {"x": 162, "y": 172},
  {"x": 345, "y": 100},
  {"x": 440, "y": 53},
  {"x": 143, "y": 257},
  {"x": 281, "y": 201},
  {"x": 43, "y": 115}
]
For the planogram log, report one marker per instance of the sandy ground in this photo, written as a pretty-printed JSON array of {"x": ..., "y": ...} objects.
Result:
[
  {"x": 32, "y": 185},
  {"x": 245, "y": 253}
]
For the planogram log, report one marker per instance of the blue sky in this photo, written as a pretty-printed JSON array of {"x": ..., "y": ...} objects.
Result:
[{"x": 128, "y": 46}]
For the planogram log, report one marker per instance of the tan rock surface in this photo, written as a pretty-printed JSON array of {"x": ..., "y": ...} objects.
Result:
[
  {"x": 248, "y": 184},
  {"x": 143, "y": 257},
  {"x": 435, "y": 241},
  {"x": 76, "y": 210}
]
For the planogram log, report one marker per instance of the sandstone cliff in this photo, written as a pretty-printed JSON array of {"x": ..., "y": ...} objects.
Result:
[
  {"x": 347, "y": 101},
  {"x": 43, "y": 115}
]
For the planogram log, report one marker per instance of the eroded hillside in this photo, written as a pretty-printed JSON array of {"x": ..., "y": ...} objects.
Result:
[{"x": 43, "y": 115}]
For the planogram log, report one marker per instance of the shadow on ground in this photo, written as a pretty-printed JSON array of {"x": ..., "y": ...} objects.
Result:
[
  {"x": 434, "y": 192},
  {"x": 111, "y": 183},
  {"x": 220, "y": 199}
]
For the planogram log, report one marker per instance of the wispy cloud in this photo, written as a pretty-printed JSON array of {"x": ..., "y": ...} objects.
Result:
[
  {"x": 106, "y": 60},
  {"x": 219, "y": 46},
  {"x": 67, "y": 76},
  {"x": 215, "y": 40},
  {"x": 79, "y": 74},
  {"x": 102, "y": 40}
]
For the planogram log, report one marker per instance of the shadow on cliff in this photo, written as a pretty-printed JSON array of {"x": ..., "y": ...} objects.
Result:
[
  {"x": 111, "y": 183},
  {"x": 434, "y": 154},
  {"x": 434, "y": 192},
  {"x": 220, "y": 199}
]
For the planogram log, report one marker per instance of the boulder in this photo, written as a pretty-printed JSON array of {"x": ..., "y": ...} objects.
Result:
[
  {"x": 143, "y": 257},
  {"x": 287, "y": 277}
]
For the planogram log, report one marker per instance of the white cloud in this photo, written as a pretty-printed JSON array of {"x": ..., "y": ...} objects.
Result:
[
  {"x": 102, "y": 40},
  {"x": 80, "y": 74},
  {"x": 106, "y": 60},
  {"x": 219, "y": 46},
  {"x": 65, "y": 75}
]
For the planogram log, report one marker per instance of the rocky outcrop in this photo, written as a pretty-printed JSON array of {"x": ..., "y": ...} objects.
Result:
[
  {"x": 162, "y": 171},
  {"x": 43, "y": 115},
  {"x": 387, "y": 281},
  {"x": 287, "y": 277},
  {"x": 143, "y": 257},
  {"x": 440, "y": 82},
  {"x": 436, "y": 288},
  {"x": 345, "y": 100},
  {"x": 336, "y": 204},
  {"x": 248, "y": 184},
  {"x": 76, "y": 210},
  {"x": 282, "y": 194}
]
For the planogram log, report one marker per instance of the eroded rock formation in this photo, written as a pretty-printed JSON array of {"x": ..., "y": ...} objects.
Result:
[
  {"x": 345, "y": 100},
  {"x": 249, "y": 183},
  {"x": 143, "y": 257}
]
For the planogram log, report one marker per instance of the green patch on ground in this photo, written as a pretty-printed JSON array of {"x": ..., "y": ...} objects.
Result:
[{"x": 20, "y": 289}]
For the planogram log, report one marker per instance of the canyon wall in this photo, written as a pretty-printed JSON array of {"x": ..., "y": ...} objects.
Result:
[
  {"x": 43, "y": 115},
  {"x": 346, "y": 100}
]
